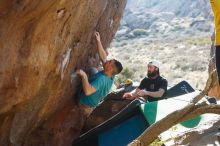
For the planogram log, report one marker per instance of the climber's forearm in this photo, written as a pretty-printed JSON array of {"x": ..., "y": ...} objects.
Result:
[
  {"x": 87, "y": 87},
  {"x": 102, "y": 53}
]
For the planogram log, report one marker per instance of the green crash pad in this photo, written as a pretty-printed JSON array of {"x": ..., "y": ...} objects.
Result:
[{"x": 155, "y": 111}]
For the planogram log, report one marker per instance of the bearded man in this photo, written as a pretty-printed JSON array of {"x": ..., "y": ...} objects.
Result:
[{"x": 152, "y": 88}]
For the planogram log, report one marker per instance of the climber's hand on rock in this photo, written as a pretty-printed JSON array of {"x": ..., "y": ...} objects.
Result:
[
  {"x": 80, "y": 72},
  {"x": 97, "y": 35}
]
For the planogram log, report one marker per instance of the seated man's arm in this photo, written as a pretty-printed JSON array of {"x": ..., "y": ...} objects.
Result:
[
  {"x": 87, "y": 87},
  {"x": 156, "y": 94},
  {"x": 102, "y": 52},
  {"x": 131, "y": 95},
  {"x": 134, "y": 94}
]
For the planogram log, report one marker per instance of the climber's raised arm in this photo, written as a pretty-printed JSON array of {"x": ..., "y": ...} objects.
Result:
[
  {"x": 102, "y": 52},
  {"x": 99, "y": 85}
]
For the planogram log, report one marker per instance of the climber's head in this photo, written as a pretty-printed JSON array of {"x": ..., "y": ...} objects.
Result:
[
  {"x": 153, "y": 69},
  {"x": 113, "y": 67}
]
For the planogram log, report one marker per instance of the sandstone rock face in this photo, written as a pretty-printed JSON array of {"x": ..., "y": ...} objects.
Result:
[{"x": 41, "y": 44}]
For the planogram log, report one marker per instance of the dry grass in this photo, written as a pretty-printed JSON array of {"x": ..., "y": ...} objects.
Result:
[{"x": 181, "y": 59}]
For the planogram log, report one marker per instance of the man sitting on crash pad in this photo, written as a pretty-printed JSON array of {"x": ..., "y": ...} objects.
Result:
[
  {"x": 99, "y": 85},
  {"x": 152, "y": 87}
]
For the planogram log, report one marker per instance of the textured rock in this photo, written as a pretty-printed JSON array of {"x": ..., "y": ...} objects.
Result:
[
  {"x": 207, "y": 133},
  {"x": 42, "y": 43}
]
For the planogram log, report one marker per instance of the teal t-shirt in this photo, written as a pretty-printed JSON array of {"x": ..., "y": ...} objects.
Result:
[{"x": 102, "y": 83}]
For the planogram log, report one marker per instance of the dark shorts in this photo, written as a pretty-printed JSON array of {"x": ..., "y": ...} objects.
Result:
[
  {"x": 217, "y": 54},
  {"x": 86, "y": 110}
]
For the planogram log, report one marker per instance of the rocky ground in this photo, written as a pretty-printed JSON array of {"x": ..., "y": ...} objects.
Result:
[{"x": 206, "y": 133}]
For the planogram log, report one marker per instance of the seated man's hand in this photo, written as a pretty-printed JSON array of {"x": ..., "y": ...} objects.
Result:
[
  {"x": 128, "y": 96},
  {"x": 97, "y": 35},
  {"x": 81, "y": 73},
  {"x": 142, "y": 93}
]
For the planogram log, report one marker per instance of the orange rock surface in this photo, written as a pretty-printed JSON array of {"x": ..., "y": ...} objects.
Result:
[{"x": 41, "y": 44}]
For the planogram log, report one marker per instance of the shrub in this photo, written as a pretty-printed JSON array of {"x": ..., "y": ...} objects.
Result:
[
  {"x": 125, "y": 74},
  {"x": 157, "y": 142},
  {"x": 139, "y": 32}
]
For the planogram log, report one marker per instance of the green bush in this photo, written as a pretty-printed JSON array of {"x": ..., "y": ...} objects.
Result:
[
  {"x": 125, "y": 74},
  {"x": 157, "y": 142},
  {"x": 139, "y": 32}
]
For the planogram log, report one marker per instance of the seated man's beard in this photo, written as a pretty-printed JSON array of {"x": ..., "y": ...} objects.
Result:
[{"x": 151, "y": 74}]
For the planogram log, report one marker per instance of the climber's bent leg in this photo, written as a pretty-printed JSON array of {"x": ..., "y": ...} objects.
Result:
[
  {"x": 217, "y": 54},
  {"x": 86, "y": 110}
]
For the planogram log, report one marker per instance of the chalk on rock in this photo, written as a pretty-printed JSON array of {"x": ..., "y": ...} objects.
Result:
[{"x": 73, "y": 77}]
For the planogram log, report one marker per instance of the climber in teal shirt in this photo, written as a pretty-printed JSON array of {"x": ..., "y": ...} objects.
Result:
[
  {"x": 102, "y": 83},
  {"x": 99, "y": 85}
]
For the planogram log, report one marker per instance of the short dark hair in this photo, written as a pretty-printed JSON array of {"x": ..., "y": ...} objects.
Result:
[{"x": 118, "y": 66}]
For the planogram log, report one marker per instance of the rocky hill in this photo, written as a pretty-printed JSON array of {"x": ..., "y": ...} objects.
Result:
[
  {"x": 167, "y": 17},
  {"x": 182, "y": 8}
]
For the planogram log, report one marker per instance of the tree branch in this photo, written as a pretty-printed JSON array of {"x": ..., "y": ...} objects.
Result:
[{"x": 152, "y": 132}]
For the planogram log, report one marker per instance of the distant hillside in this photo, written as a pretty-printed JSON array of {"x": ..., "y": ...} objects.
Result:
[
  {"x": 167, "y": 18},
  {"x": 177, "y": 33},
  {"x": 183, "y": 8}
]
